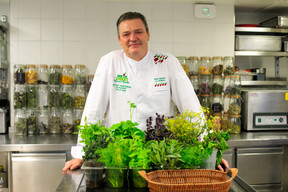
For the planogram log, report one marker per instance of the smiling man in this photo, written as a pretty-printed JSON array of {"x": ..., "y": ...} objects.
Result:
[{"x": 152, "y": 80}]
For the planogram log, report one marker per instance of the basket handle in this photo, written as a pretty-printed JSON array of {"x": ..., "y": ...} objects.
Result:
[
  {"x": 144, "y": 175},
  {"x": 234, "y": 172}
]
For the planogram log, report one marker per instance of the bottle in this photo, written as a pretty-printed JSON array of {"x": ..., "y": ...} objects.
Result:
[
  {"x": 235, "y": 84},
  {"x": 80, "y": 74},
  {"x": 226, "y": 100},
  {"x": 54, "y": 96},
  {"x": 67, "y": 97},
  {"x": 42, "y": 74},
  {"x": 217, "y": 65},
  {"x": 31, "y": 122},
  {"x": 217, "y": 121},
  {"x": 217, "y": 85},
  {"x": 42, "y": 96},
  {"x": 226, "y": 85},
  {"x": 205, "y": 101},
  {"x": 80, "y": 97},
  {"x": 234, "y": 105},
  {"x": 67, "y": 126},
  {"x": 225, "y": 122},
  {"x": 192, "y": 66},
  {"x": 19, "y": 74},
  {"x": 67, "y": 75},
  {"x": 31, "y": 96},
  {"x": 31, "y": 74},
  {"x": 20, "y": 124},
  {"x": 182, "y": 60},
  {"x": 205, "y": 68},
  {"x": 205, "y": 85},
  {"x": 89, "y": 82},
  {"x": 195, "y": 82},
  {"x": 54, "y": 75},
  {"x": 229, "y": 68},
  {"x": 235, "y": 123},
  {"x": 43, "y": 121},
  {"x": 77, "y": 118},
  {"x": 55, "y": 121},
  {"x": 217, "y": 104},
  {"x": 19, "y": 96}
]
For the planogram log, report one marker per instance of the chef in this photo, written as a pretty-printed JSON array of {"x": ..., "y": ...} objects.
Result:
[{"x": 152, "y": 80}]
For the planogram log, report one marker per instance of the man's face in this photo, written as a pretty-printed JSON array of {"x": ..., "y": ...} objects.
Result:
[{"x": 133, "y": 38}]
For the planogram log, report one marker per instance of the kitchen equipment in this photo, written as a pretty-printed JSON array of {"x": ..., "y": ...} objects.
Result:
[
  {"x": 286, "y": 46},
  {"x": 264, "y": 109},
  {"x": 4, "y": 116},
  {"x": 279, "y": 22},
  {"x": 258, "y": 43}
]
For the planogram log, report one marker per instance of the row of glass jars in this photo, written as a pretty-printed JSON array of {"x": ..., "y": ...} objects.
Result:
[
  {"x": 226, "y": 122},
  {"x": 195, "y": 66},
  {"x": 217, "y": 104},
  {"x": 216, "y": 85},
  {"x": 46, "y": 121},
  {"x": 44, "y": 96},
  {"x": 54, "y": 74}
]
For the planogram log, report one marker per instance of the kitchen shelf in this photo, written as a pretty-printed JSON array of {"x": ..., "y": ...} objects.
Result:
[
  {"x": 260, "y": 30},
  {"x": 264, "y": 83},
  {"x": 261, "y": 53}
]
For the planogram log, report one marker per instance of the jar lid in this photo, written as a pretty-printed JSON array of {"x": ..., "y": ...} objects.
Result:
[
  {"x": 204, "y": 95},
  {"x": 80, "y": 65},
  {"x": 226, "y": 114},
  {"x": 42, "y": 65},
  {"x": 227, "y": 76},
  {"x": 235, "y": 76},
  {"x": 68, "y": 66},
  {"x": 30, "y": 65},
  {"x": 19, "y": 65},
  {"x": 226, "y": 95},
  {"x": 51, "y": 66},
  {"x": 204, "y": 57},
  {"x": 217, "y": 95},
  {"x": 90, "y": 76},
  {"x": 217, "y": 76},
  {"x": 217, "y": 57},
  {"x": 217, "y": 114},
  {"x": 194, "y": 76},
  {"x": 193, "y": 58},
  {"x": 234, "y": 115},
  {"x": 236, "y": 96}
]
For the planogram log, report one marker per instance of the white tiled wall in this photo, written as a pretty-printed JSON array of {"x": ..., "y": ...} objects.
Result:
[{"x": 81, "y": 31}]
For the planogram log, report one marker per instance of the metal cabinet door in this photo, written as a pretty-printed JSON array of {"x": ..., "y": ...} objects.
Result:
[
  {"x": 34, "y": 172},
  {"x": 261, "y": 165}
]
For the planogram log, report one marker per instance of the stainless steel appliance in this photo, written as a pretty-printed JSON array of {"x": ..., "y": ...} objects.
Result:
[
  {"x": 264, "y": 109},
  {"x": 279, "y": 21}
]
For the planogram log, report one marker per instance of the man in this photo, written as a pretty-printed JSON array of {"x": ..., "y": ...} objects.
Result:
[{"x": 151, "y": 80}]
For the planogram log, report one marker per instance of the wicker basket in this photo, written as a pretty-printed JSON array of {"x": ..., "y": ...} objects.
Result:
[{"x": 204, "y": 180}]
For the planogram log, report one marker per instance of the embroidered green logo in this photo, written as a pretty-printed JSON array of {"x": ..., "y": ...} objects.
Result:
[
  {"x": 122, "y": 78},
  {"x": 119, "y": 81}
]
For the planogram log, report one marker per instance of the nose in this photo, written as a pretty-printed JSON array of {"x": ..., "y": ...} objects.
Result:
[{"x": 133, "y": 36}]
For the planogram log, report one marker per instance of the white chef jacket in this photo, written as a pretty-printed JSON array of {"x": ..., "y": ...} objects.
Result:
[{"x": 153, "y": 84}]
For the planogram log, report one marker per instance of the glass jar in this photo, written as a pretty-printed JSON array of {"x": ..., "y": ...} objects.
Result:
[
  {"x": 67, "y": 99},
  {"x": 19, "y": 96},
  {"x": 217, "y": 121},
  {"x": 183, "y": 62},
  {"x": 55, "y": 121},
  {"x": 195, "y": 82},
  {"x": 67, "y": 75},
  {"x": 217, "y": 65},
  {"x": 31, "y": 122},
  {"x": 226, "y": 101},
  {"x": 235, "y": 84},
  {"x": 42, "y": 96},
  {"x": 42, "y": 74},
  {"x": 54, "y": 96},
  {"x": 235, "y": 123},
  {"x": 205, "y": 84},
  {"x": 217, "y": 85},
  {"x": 225, "y": 122},
  {"x": 80, "y": 96},
  {"x": 43, "y": 121},
  {"x": 54, "y": 74},
  {"x": 67, "y": 125},
  {"x": 226, "y": 85},
  {"x": 228, "y": 64},
  {"x": 19, "y": 74},
  {"x": 30, "y": 74},
  {"x": 80, "y": 74},
  {"x": 77, "y": 118},
  {"x": 205, "y": 101},
  {"x": 192, "y": 66},
  {"x": 205, "y": 68},
  {"x": 31, "y": 96},
  {"x": 20, "y": 123},
  {"x": 89, "y": 82},
  {"x": 217, "y": 104},
  {"x": 234, "y": 105}
]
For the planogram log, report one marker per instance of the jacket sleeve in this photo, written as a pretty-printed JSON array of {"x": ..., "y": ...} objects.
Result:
[{"x": 96, "y": 102}]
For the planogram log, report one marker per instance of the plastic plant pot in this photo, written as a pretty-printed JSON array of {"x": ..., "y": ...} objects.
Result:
[
  {"x": 94, "y": 175},
  {"x": 137, "y": 180},
  {"x": 116, "y": 177},
  {"x": 210, "y": 162}
]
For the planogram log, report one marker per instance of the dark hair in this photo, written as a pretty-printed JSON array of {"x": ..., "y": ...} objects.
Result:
[{"x": 130, "y": 16}]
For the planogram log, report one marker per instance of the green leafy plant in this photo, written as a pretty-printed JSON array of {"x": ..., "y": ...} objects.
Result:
[{"x": 139, "y": 155}]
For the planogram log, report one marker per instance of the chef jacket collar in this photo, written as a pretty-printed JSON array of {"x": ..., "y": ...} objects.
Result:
[{"x": 144, "y": 60}]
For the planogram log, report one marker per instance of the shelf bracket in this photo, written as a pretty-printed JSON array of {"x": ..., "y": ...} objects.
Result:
[{"x": 277, "y": 67}]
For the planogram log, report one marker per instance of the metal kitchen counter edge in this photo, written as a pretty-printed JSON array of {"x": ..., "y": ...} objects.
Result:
[{"x": 11, "y": 142}]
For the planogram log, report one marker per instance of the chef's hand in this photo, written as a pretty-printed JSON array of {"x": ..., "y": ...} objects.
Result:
[
  {"x": 72, "y": 165},
  {"x": 223, "y": 165}
]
